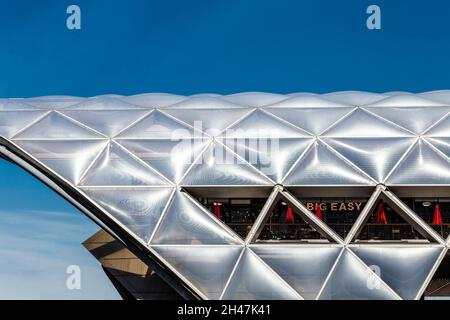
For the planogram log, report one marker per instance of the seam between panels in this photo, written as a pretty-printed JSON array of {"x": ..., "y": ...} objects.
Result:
[
  {"x": 388, "y": 121},
  {"x": 330, "y": 273},
  {"x": 319, "y": 223},
  {"x": 374, "y": 274},
  {"x": 142, "y": 162},
  {"x": 274, "y": 273},
  {"x": 415, "y": 217},
  {"x": 45, "y": 114},
  {"x": 240, "y": 119},
  {"x": 260, "y": 220},
  {"x": 74, "y": 121},
  {"x": 163, "y": 214},
  {"x": 196, "y": 158},
  {"x": 335, "y": 123},
  {"x": 139, "y": 119},
  {"x": 245, "y": 161},
  {"x": 217, "y": 221},
  {"x": 233, "y": 271},
  {"x": 93, "y": 162},
  {"x": 341, "y": 118},
  {"x": 431, "y": 273},
  {"x": 293, "y": 126},
  {"x": 400, "y": 161},
  {"x": 364, "y": 214},
  {"x": 354, "y": 166},
  {"x": 181, "y": 122},
  {"x": 435, "y": 149},
  {"x": 445, "y": 116},
  {"x": 299, "y": 159},
  {"x": 179, "y": 275}
]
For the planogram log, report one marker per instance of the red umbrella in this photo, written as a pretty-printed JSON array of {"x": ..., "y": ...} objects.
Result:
[
  {"x": 319, "y": 211},
  {"x": 381, "y": 215},
  {"x": 217, "y": 211},
  {"x": 289, "y": 215},
  {"x": 437, "y": 218}
]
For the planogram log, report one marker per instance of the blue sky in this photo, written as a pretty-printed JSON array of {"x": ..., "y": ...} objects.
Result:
[{"x": 186, "y": 47}]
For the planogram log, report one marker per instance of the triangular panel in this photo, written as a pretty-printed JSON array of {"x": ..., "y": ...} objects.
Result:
[
  {"x": 321, "y": 166},
  {"x": 403, "y": 268},
  {"x": 207, "y": 267},
  {"x": 171, "y": 158},
  {"x": 363, "y": 124},
  {"x": 253, "y": 280},
  {"x": 68, "y": 158},
  {"x": 422, "y": 166},
  {"x": 442, "y": 144},
  {"x": 273, "y": 157},
  {"x": 211, "y": 121},
  {"x": 139, "y": 209},
  {"x": 375, "y": 156},
  {"x": 187, "y": 222},
  {"x": 56, "y": 126},
  {"x": 12, "y": 122},
  {"x": 352, "y": 280},
  {"x": 104, "y": 103},
  {"x": 304, "y": 268},
  {"x": 415, "y": 119},
  {"x": 115, "y": 167},
  {"x": 313, "y": 120},
  {"x": 261, "y": 124},
  {"x": 441, "y": 129},
  {"x": 204, "y": 102},
  {"x": 108, "y": 122},
  {"x": 11, "y": 104},
  {"x": 158, "y": 126},
  {"x": 219, "y": 166}
]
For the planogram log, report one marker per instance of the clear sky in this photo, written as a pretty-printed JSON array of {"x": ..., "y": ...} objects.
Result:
[{"x": 187, "y": 47}]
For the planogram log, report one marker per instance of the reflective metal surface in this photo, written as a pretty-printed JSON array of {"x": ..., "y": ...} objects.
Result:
[{"x": 136, "y": 159}]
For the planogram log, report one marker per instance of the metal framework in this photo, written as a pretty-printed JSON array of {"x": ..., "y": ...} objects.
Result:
[{"x": 135, "y": 165}]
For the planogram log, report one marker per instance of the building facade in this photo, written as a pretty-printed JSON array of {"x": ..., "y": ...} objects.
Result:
[{"x": 254, "y": 195}]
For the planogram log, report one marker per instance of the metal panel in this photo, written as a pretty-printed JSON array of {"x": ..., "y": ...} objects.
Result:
[
  {"x": 304, "y": 268},
  {"x": 187, "y": 222},
  {"x": 404, "y": 268},
  {"x": 208, "y": 268}
]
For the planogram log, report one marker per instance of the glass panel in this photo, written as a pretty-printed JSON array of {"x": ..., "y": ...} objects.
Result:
[
  {"x": 273, "y": 157},
  {"x": 115, "y": 167},
  {"x": 238, "y": 213},
  {"x": 321, "y": 166},
  {"x": 69, "y": 159},
  {"x": 385, "y": 223},
  {"x": 338, "y": 213},
  {"x": 207, "y": 267},
  {"x": 305, "y": 268},
  {"x": 219, "y": 166},
  {"x": 108, "y": 122},
  {"x": 352, "y": 280},
  {"x": 403, "y": 268},
  {"x": 188, "y": 223},
  {"x": 12, "y": 122},
  {"x": 211, "y": 121},
  {"x": 362, "y": 124},
  {"x": 426, "y": 208},
  {"x": 170, "y": 158},
  {"x": 421, "y": 166},
  {"x": 260, "y": 124},
  {"x": 56, "y": 126},
  {"x": 252, "y": 280},
  {"x": 285, "y": 223},
  {"x": 139, "y": 209},
  {"x": 416, "y": 119},
  {"x": 375, "y": 156},
  {"x": 158, "y": 126},
  {"x": 313, "y": 120}
]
